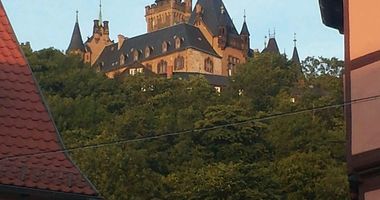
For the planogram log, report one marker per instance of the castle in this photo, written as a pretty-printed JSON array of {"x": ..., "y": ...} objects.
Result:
[{"x": 180, "y": 41}]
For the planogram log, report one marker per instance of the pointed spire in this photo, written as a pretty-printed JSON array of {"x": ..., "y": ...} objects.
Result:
[
  {"x": 77, "y": 18},
  {"x": 244, "y": 29},
  {"x": 100, "y": 13},
  {"x": 295, "y": 57},
  {"x": 245, "y": 16},
  {"x": 76, "y": 43},
  {"x": 272, "y": 46}
]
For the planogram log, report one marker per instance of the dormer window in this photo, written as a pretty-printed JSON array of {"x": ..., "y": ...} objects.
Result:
[
  {"x": 148, "y": 51},
  {"x": 123, "y": 59},
  {"x": 165, "y": 46},
  {"x": 178, "y": 42},
  {"x": 136, "y": 55}
]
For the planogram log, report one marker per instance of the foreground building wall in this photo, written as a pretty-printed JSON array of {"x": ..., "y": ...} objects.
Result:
[{"x": 359, "y": 23}]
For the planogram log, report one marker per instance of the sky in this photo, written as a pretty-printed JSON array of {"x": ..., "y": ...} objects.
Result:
[{"x": 49, "y": 23}]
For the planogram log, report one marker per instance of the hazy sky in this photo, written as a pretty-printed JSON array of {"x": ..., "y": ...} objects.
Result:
[{"x": 49, "y": 23}]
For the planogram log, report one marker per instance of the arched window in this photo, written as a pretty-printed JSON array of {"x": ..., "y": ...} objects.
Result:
[
  {"x": 123, "y": 59},
  {"x": 178, "y": 42},
  {"x": 209, "y": 65},
  {"x": 162, "y": 67},
  {"x": 179, "y": 63},
  {"x": 165, "y": 46},
  {"x": 148, "y": 51},
  {"x": 136, "y": 55}
]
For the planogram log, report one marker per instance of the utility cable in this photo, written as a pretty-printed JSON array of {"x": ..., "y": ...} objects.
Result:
[{"x": 260, "y": 119}]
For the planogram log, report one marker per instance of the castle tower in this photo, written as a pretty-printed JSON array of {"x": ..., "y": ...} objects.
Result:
[
  {"x": 295, "y": 57},
  {"x": 245, "y": 37},
  {"x": 272, "y": 46},
  {"x": 165, "y": 13},
  {"x": 99, "y": 39},
  {"x": 76, "y": 44}
]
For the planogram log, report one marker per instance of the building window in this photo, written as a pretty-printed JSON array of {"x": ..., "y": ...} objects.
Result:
[
  {"x": 178, "y": 42},
  {"x": 148, "y": 51},
  {"x": 218, "y": 89},
  {"x": 162, "y": 67},
  {"x": 179, "y": 63},
  {"x": 123, "y": 59},
  {"x": 165, "y": 46},
  {"x": 140, "y": 70},
  {"x": 209, "y": 65},
  {"x": 136, "y": 55},
  {"x": 232, "y": 62},
  {"x": 132, "y": 72}
]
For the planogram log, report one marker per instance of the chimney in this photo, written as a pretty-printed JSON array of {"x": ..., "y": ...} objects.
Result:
[
  {"x": 106, "y": 27},
  {"x": 120, "y": 41},
  {"x": 96, "y": 26}
]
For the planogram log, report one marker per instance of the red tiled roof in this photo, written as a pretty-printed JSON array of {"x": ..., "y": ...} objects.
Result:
[{"x": 27, "y": 128}]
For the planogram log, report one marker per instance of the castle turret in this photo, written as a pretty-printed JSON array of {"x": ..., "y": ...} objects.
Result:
[
  {"x": 223, "y": 29},
  {"x": 295, "y": 57},
  {"x": 76, "y": 45},
  {"x": 245, "y": 37},
  {"x": 272, "y": 46}
]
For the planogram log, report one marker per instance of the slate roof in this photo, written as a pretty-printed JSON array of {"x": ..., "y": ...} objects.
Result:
[
  {"x": 244, "y": 29},
  {"x": 76, "y": 42},
  {"x": 191, "y": 37},
  {"x": 211, "y": 16},
  {"x": 272, "y": 47},
  {"x": 26, "y": 128}
]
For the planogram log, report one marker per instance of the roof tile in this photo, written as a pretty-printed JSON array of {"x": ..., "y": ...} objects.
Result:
[{"x": 26, "y": 128}]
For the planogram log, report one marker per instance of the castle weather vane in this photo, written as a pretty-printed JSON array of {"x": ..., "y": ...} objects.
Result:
[
  {"x": 100, "y": 13},
  {"x": 245, "y": 16},
  {"x": 77, "y": 18},
  {"x": 295, "y": 40}
]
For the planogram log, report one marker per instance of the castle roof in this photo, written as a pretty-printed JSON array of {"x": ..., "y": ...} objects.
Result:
[
  {"x": 76, "y": 42},
  {"x": 295, "y": 57},
  {"x": 211, "y": 16},
  {"x": 272, "y": 47},
  {"x": 190, "y": 36},
  {"x": 27, "y": 131},
  {"x": 244, "y": 29}
]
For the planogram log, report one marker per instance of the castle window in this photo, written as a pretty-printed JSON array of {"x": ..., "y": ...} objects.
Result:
[
  {"x": 148, "y": 51},
  {"x": 140, "y": 70},
  {"x": 179, "y": 63},
  {"x": 232, "y": 62},
  {"x": 123, "y": 59},
  {"x": 178, "y": 42},
  {"x": 165, "y": 46},
  {"x": 209, "y": 65},
  {"x": 136, "y": 55},
  {"x": 162, "y": 67},
  {"x": 132, "y": 72}
]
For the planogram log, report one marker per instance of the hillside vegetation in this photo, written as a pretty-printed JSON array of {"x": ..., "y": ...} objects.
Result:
[{"x": 290, "y": 156}]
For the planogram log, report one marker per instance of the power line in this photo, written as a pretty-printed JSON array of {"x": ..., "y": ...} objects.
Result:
[{"x": 126, "y": 141}]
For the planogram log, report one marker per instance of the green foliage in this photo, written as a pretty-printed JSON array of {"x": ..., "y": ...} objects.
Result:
[{"x": 298, "y": 156}]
